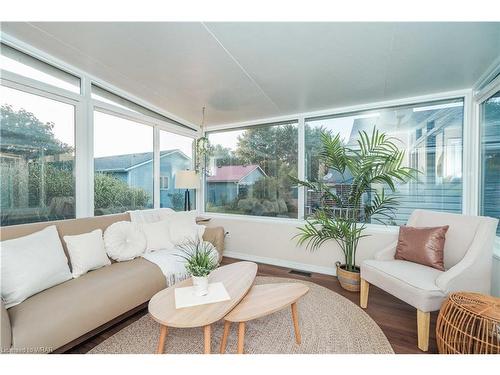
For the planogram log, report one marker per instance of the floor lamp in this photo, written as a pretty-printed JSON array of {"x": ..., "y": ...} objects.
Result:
[{"x": 187, "y": 180}]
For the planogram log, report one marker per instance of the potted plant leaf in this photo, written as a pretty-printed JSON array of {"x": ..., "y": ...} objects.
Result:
[
  {"x": 356, "y": 197},
  {"x": 201, "y": 258}
]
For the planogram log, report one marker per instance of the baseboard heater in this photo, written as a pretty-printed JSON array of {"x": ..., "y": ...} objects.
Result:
[{"x": 300, "y": 273}]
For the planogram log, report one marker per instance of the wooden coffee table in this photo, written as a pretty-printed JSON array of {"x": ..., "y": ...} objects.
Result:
[
  {"x": 263, "y": 300},
  {"x": 237, "y": 278}
]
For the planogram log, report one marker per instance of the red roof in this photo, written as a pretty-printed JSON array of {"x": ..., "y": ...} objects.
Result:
[{"x": 232, "y": 173}]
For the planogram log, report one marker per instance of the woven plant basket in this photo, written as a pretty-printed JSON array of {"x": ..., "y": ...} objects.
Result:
[
  {"x": 349, "y": 280},
  {"x": 469, "y": 323}
]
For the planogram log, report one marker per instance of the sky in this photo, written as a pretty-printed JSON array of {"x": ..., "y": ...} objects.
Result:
[
  {"x": 46, "y": 110},
  {"x": 116, "y": 136},
  {"x": 227, "y": 139}
]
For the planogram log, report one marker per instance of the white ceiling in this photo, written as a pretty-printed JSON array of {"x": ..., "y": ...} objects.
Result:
[{"x": 247, "y": 71}]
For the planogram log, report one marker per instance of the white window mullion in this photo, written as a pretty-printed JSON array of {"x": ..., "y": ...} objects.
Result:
[
  {"x": 301, "y": 167},
  {"x": 156, "y": 168},
  {"x": 471, "y": 165},
  {"x": 84, "y": 155}
]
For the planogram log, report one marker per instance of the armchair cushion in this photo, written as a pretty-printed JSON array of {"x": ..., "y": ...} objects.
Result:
[
  {"x": 459, "y": 237},
  {"x": 422, "y": 245},
  {"x": 411, "y": 282}
]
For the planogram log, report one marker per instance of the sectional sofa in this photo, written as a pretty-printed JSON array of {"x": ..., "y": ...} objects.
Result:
[{"x": 65, "y": 315}]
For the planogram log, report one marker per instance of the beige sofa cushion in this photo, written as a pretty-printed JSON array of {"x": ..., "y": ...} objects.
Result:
[
  {"x": 58, "y": 315},
  {"x": 215, "y": 235}
]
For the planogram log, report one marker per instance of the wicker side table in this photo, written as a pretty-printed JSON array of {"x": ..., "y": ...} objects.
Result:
[{"x": 469, "y": 323}]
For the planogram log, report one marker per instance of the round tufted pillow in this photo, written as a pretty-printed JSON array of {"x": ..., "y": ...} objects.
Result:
[{"x": 124, "y": 241}]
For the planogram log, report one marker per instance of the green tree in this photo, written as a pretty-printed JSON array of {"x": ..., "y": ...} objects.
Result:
[
  {"x": 269, "y": 147},
  {"x": 22, "y": 133},
  {"x": 223, "y": 156},
  {"x": 30, "y": 180},
  {"x": 114, "y": 195}
]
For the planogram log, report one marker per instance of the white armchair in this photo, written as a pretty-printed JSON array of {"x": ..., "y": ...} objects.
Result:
[{"x": 468, "y": 253}]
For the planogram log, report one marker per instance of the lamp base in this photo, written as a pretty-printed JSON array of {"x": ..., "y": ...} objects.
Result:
[{"x": 187, "y": 201}]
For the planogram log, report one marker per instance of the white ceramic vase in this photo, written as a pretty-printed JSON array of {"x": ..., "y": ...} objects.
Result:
[{"x": 200, "y": 284}]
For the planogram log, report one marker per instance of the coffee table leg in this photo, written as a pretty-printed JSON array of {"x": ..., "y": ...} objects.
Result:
[
  {"x": 161, "y": 341},
  {"x": 295, "y": 318},
  {"x": 208, "y": 338},
  {"x": 223, "y": 343},
  {"x": 241, "y": 337}
]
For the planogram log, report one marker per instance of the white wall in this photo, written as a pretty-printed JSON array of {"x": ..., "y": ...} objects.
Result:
[{"x": 270, "y": 241}]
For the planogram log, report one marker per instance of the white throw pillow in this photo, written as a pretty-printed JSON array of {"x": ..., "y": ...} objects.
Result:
[
  {"x": 31, "y": 264},
  {"x": 124, "y": 240},
  {"x": 157, "y": 235},
  {"x": 181, "y": 233},
  {"x": 86, "y": 252},
  {"x": 183, "y": 227},
  {"x": 149, "y": 216}
]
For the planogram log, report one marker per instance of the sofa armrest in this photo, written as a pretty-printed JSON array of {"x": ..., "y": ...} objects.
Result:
[
  {"x": 387, "y": 253},
  {"x": 215, "y": 235},
  {"x": 6, "y": 330}
]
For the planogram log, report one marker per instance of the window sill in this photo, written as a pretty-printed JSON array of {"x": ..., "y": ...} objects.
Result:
[{"x": 372, "y": 228}]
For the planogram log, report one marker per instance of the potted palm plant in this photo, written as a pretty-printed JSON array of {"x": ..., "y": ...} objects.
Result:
[
  {"x": 201, "y": 258},
  {"x": 358, "y": 197}
]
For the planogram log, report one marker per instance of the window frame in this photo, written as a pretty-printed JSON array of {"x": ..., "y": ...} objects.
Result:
[
  {"x": 163, "y": 185},
  {"x": 469, "y": 159},
  {"x": 300, "y": 199},
  {"x": 480, "y": 97},
  {"x": 69, "y": 100},
  {"x": 84, "y": 107},
  {"x": 404, "y": 106},
  {"x": 84, "y": 113}
]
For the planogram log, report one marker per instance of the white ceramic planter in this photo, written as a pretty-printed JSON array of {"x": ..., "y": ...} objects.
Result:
[{"x": 200, "y": 284}]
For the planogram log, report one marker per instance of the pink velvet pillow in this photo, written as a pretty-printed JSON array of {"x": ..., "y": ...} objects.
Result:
[{"x": 422, "y": 245}]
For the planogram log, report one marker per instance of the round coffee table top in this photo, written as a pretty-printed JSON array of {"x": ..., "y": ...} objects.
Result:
[
  {"x": 237, "y": 279},
  {"x": 478, "y": 304}
]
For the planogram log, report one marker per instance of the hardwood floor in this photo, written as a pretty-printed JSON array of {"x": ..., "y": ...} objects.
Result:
[{"x": 397, "y": 320}]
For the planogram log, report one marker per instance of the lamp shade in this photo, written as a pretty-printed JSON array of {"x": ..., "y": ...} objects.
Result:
[{"x": 187, "y": 180}]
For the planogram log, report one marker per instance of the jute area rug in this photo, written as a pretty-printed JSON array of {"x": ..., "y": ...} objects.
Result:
[{"x": 329, "y": 324}]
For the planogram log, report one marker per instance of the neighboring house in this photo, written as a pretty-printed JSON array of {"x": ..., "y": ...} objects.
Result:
[
  {"x": 137, "y": 171},
  {"x": 227, "y": 182}
]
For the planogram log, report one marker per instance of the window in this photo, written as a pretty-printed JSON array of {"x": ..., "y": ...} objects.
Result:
[
  {"x": 17, "y": 62},
  {"x": 36, "y": 158},
  {"x": 105, "y": 96},
  {"x": 175, "y": 155},
  {"x": 248, "y": 172},
  {"x": 490, "y": 157},
  {"x": 123, "y": 171},
  {"x": 164, "y": 182},
  {"x": 431, "y": 134}
]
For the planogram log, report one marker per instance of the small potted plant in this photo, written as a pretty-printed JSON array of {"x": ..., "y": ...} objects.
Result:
[{"x": 201, "y": 258}]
